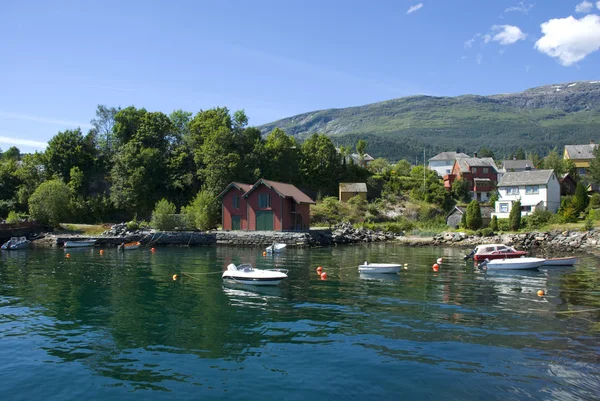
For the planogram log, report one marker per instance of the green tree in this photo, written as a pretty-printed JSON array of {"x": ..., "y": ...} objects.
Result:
[
  {"x": 474, "y": 219},
  {"x": 281, "y": 157},
  {"x": 320, "y": 164},
  {"x": 163, "y": 216},
  {"x": 203, "y": 211},
  {"x": 589, "y": 220},
  {"x": 460, "y": 190},
  {"x": 520, "y": 154},
  {"x": 581, "y": 199},
  {"x": 361, "y": 149},
  {"x": 103, "y": 126},
  {"x": 13, "y": 153},
  {"x": 379, "y": 166},
  {"x": 31, "y": 173},
  {"x": 126, "y": 125},
  {"x": 50, "y": 203},
  {"x": 594, "y": 170},
  {"x": 486, "y": 152},
  {"x": 402, "y": 168},
  {"x": 357, "y": 209},
  {"x": 494, "y": 223},
  {"x": 514, "y": 218},
  {"x": 330, "y": 211},
  {"x": 494, "y": 196},
  {"x": 69, "y": 149},
  {"x": 463, "y": 219}
]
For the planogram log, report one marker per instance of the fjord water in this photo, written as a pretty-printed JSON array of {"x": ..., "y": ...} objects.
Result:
[{"x": 118, "y": 327}]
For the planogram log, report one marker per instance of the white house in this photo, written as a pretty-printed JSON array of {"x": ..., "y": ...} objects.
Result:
[
  {"x": 442, "y": 163},
  {"x": 536, "y": 189}
]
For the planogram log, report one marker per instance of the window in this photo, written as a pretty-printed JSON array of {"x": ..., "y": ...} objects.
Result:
[
  {"x": 264, "y": 201},
  {"x": 485, "y": 170},
  {"x": 293, "y": 207},
  {"x": 236, "y": 202},
  {"x": 532, "y": 189},
  {"x": 504, "y": 208},
  {"x": 474, "y": 170},
  {"x": 581, "y": 171},
  {"x": 512, "y": 190},
  {"x": 448, "y": 171},
  {"x": 526, "y": 208}
]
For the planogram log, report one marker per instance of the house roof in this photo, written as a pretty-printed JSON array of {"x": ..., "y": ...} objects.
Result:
[
  {"x": 581, "y": 151},
  {"x": 283, "y": 189},
  {"x": 565, "y": 176},
  {"x": 241, "y": 186},
  {"x": 486, "y": 211},
  {"x": 533, "y": 177},
  {"x": 367, "y": 157},
  {"x": 353, "y": 187},
  {"x": 448, "y": 156},
  {"x": 465, "y": 163},
  {"x": 517, "y": 165}
]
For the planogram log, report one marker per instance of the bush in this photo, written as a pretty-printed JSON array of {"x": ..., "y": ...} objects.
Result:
[
  {"x": 202, "y": 212},
  {"x": 329, "y": 211},
  {"x": 589, "y": 221},
  {"x": 539, "y": 218},
  {"x": 595, "y": 201},
  {"x": 474, "y": 219},
  {"x": 163, "y": 216},
  {"x": 494, "y": 223},
  {"x": 503, "y": 225},
  {"x": 133, "y": 224},
  {"x": 50, "y": 203},
  {"x": 485, "y": 232},
  {"x": 581, "y": 198},
  {"x": 15, "y": 218},
  {"x": 514, "y": 218},
  {"x": 357, "y": 209}
]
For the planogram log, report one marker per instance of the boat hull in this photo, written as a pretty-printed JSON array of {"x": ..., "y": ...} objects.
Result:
[
  {"x": 79, "y": 244},
  {"x": 252, "y": 281},
  {"x": 515, "y": 264},
  {"x": 560, "y": 262},
  {"x": 380, "y": 268},
  {"x": 491, "y": 256}
]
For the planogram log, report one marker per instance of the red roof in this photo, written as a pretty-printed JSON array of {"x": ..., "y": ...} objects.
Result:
[
  {"x": 284, "y": 190},
  {"x": 241, "y": 186}
]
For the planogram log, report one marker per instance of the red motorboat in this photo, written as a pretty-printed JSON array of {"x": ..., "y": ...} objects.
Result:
[{"x": 494, "y": 251}]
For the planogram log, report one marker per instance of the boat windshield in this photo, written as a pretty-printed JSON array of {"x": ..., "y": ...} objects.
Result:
[{"x": 245, "y": 267}]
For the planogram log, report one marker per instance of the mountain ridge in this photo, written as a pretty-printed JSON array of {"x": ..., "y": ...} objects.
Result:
[{"x": 536, "y": 119}]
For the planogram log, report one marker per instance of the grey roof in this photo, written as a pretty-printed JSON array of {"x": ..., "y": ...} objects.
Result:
[
  {"x": 367, "y": 157},
  {"x": 517, "y": 165},
  {"x": 533, "y": 177},
  {"x": 486, "y": 211},
  {"x": 476, "y": 162},
  {"x": 448, "y": 156},
  {"x": 581, "y": 151},
  {"x": 353, "y": 187}
]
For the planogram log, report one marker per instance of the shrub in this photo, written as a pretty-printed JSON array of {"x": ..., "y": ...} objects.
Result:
[
  {"x": 485, "y": 232},
  {"x": 474, "y": 220},
  {"x": 357, "y": 209},
  {"x": 50, "y": 203},
  {"x": 595, "y": 201},
  {"x": 463, "y": 220},
  {"x": 503, "y": 225},
  {"x": 581, "y": 198},
  {"x": 514, "y": 218},
  {"x": 589, "y": 221},
  {"x": 539, "y": 218},
  {"x": 203, "y": 212},
  {"x": 14, "y": 217},
  {"x": 329, "y": 211},
  {"x": 494, "y": 223},
  {"x": 133, "y": 224},
  {"x": 163, "y": 216}
]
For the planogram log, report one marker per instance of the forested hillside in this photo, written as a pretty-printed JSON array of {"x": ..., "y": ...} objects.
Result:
[{"x": 537, "y": 119}]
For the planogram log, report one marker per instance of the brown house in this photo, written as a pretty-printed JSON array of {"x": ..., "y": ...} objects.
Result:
[
  {"x": 567, "y": 185},
  {"x": 266, "y": 205},
  {"x": 480, "y": 173},
  {"x": 351, "y": 189}
]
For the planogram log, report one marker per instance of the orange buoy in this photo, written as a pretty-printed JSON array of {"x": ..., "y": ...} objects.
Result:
[
  {"x": 175, "y": 277},
  {"x": 101, "y": 251},
  {"x": 319, "y": 269},
  {"x": 68, "y": 255},
  {"x": 541, "y": 293},
  {"x": 264, "y": 254},
  {"x": 323, "y": 276},
  {"x": 435, "y": 267},
  {"x": 152, "y": 249}
]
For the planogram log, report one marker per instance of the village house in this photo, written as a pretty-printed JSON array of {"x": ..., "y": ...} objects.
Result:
[
  {"x": 536, "y": 189},
  {"x": 480, "y": 173},
  {"x": 348, "y": 190},
  {"x": 442, "y": 163},
  {"x": 265, "y": 206},
  {"x": 454, "y": 218},
  {"x": 581, "y": 155},
  {"x": 567, "y": 184},
  {"x": 512, "y": 166}
]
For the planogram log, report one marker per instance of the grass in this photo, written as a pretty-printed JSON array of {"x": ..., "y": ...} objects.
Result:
[{"x": 83, "y": 229}]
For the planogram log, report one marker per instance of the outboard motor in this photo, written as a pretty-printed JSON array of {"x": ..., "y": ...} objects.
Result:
[
  {"x": 470, "y": 256},
  {"x": 483, "y": 264}
]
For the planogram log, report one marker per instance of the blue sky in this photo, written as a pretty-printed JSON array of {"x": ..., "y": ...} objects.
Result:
[{"x": 59, "y": 59}]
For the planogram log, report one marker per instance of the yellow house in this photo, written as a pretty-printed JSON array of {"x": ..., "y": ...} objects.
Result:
[
  {"x": 351, "y": 189},
  {"x": 581, "y": 155}
]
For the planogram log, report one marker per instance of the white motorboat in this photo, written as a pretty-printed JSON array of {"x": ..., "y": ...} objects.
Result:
[
  {"x": 513, "y": 264},
  {"x": 16, "y": 243},
  {"x": 80, "y": 244},
  {"x": 275, "y": 248},
  {"x": 569, "y": 261},
  {"x": 246, "y": 274},
  {"x": 379, "y": 268},
  {"x": 130, "y": 246}
]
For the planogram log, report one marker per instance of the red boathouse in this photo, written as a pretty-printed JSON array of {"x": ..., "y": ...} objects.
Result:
[{"x": 265, "y": 206}]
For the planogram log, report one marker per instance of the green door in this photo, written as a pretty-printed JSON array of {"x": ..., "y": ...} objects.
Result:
[
  {"x": 264, "y": 221},
  {"x": 236, "y": 222}
]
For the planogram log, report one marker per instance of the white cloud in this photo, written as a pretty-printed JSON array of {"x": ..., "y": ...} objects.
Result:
[
  {"x": 414, "y": 8},
  {"x": 486, "y": 38},
  {"x": 8, "y": 140},
  {"x": 584, "y": 7},
  {"x": 598, "y": 5},
  {"x": 44, "y": 120},
  {"x": 469, "y": 43},
  {"x": 479, "y": 58},
  {"x": 507, "y": 34},
  {"x": 569, "y": 39},
  {"x": 521, "y": 7}
]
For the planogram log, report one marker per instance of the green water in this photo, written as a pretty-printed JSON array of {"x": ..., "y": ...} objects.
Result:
[{"x": 118, "y": 327}]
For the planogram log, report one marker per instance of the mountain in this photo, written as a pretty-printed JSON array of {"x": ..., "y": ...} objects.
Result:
[{"x": 536, "y": 119}]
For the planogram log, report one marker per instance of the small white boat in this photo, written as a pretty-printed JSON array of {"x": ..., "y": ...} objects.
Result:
[
  {"x": 130, "y": 246},
  {"x": 275, "y": 248},
  {"x": 79, "y": 244},
  {"x": 246, "y": 274},
  {"x": 513, "y": 264},
  {"x": 379, "y": 268},
  {"x": 16, "y": 243},
  {"x": 569, "y": 261}
]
